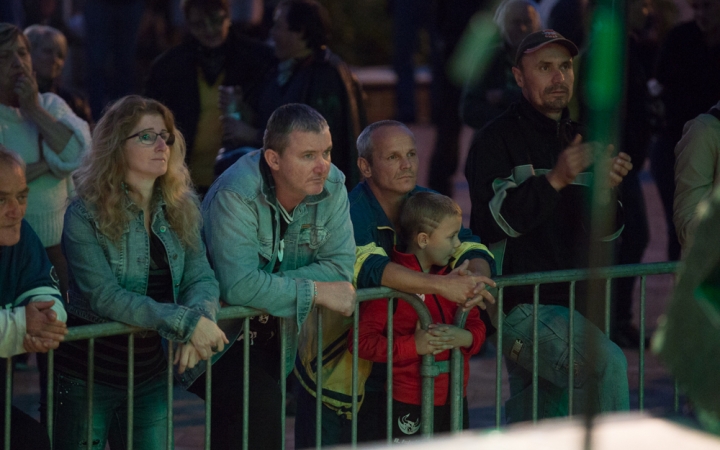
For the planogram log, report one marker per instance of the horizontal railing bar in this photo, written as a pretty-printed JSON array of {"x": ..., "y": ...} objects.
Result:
[{"x": 559, "y": 276}]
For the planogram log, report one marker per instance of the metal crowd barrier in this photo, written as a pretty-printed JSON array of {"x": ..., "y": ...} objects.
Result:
[{"x": 429, "y": 369}]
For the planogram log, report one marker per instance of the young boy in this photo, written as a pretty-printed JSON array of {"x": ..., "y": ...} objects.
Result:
[{"x": 428, "y": 228}]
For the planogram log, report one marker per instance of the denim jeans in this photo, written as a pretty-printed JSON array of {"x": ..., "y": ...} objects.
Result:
[
  {"x": 608, "y": 374},
  {"x": 110, "y": 415}
]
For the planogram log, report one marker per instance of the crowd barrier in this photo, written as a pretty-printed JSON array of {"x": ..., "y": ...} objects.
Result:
[{"x": 429, "y": 369}]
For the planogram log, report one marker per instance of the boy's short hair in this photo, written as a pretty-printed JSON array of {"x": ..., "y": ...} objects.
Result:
[{"x": 422, "y": 212}]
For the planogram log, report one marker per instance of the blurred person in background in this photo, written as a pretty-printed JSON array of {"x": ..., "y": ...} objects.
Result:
[
  {"x": 450, "y": 20},
  {"x": 111, "y": 36},
  {"x": 132, "y": 240},
  {"x": 636, "y": 132},
  {"x": 49, "y": 49},
  {"x": 188, "y": 78},
  {"x": 487, "y": 98},
  {"x": 46, "y": 134},
  {"x": 688, "y": 71},
  {"x": 307, "y": 72},
  {"x": 697, "y": 171}
]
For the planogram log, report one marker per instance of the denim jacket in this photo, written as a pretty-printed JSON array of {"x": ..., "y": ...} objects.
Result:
[
  {"x": 108, "y": 280},
  {"x": 241, "y": 229}
]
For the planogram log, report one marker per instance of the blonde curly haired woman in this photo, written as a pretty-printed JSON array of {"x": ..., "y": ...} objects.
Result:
[{"x": 132, "y": 240}]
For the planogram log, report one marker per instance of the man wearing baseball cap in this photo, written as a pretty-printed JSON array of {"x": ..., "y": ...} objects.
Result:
[{"x": 528, "y": 180}]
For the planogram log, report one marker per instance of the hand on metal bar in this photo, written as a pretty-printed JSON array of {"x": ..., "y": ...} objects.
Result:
[{"x": 207, "y": 338}]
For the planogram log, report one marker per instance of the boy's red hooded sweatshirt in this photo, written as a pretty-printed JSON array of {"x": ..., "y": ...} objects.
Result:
[{"x": 372, "y": 341}]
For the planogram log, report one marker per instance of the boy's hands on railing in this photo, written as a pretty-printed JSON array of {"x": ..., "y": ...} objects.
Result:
[
  {"x": 186, "y": 357},
  {"x": 449, "y": 336},
  {"x": 336, "y": 296},
  {"x": 44, "y": 330},
  {"x": 207, "y": 338},
  {"x": 427, "y": 344}
]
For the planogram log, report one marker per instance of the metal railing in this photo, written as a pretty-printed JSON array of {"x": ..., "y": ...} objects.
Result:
[{"x": 429, "y": 368}]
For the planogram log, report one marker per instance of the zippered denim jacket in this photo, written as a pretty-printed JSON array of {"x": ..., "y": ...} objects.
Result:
[
  {"x": 108, "y": 280},
  {"x": 241, "y": 230}
]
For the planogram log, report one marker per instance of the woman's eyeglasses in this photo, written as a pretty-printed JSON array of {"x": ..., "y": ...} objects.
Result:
[{"x": 150, "y": 137}]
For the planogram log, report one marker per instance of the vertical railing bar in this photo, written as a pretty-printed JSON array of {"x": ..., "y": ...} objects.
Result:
[
  {"x": 8, "y": 400},
  {"x": 641, "y": 369},
  {"x": 283, "y": 379},
  {"x": 571, "y": 351},
  {"x": 50, "y": 405},
  {"x": 390, "y": 343},
  {"x": 130, "y": 391},
  {"x": 246, "y": 384},
  {"x": 535, "y": 365},
  {"x": 90, "y": 390},
  {"x": 498, "y": 359},
  {"x": 169, "y": 438},
  {"x": 319, "y": 381},
  {"x": 208, "y": 402},
  {"x": 355, "y": 378},
  {"x": 608, "y": 292}
]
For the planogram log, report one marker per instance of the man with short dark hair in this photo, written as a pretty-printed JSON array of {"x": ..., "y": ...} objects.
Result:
[
  {"x": 32, "y": 318},
  {"x": 277, "y": 229},
  {"x": 529, "y": 187}
]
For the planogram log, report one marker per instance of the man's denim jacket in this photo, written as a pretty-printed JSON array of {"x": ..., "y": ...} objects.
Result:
[
  {"x": 108, "y": 280},
  {"x": 241, "y": 229}
]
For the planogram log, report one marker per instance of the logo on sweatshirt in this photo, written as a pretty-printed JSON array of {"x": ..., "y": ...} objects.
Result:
[{"x": 407, "y": 426}]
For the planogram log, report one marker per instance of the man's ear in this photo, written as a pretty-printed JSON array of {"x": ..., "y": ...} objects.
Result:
[
  {"x": 364, "y": 167},
  {"x": 272, "y": 158},
  {"x": 518, "y": 76}
]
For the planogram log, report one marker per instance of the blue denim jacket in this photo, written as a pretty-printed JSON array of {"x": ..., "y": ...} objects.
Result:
[
  {"x": 241, "y": 226},
  {"x": 108, "y": 280}
]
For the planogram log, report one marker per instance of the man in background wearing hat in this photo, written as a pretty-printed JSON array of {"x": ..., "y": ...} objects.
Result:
[{"x": 529, "y": 189}]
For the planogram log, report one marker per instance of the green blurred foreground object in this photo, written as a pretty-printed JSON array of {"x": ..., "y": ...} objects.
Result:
[{"x": 689, "y": 338}]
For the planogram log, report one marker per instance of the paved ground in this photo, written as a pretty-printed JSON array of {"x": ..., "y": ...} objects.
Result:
[{"x": 189, "y": 412}]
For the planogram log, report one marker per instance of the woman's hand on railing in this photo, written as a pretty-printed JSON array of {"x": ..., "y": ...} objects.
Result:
[
  {"x": 208, "y": 338},
  {"x": 186, "y": 357}
]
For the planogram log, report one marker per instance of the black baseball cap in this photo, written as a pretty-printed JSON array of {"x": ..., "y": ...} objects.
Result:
[{"x": 539, "y": 39}]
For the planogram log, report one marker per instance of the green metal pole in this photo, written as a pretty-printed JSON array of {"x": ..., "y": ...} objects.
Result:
[
  {"x": 50, "y": 394},
  {"x": 498, "y": 360},
  {"x": 283, "y": 378},
  {"x": 8, "y": 400},
  {"x": 389, "y": 371},
  {"x": 355, "y": 380},
  {"x": 90, "y": 390},
  {"x": 641, "y": 371},
  {"x": 246, "y": 383},
  {"x": 535, "y": 352},
  {"x": 319, "y": 381},
  {"x": 169, "y": 438},
  {"x": 130, "y": 391},
  {"x": 208, "y": 405},
  {"x": 571, "y": 351}
]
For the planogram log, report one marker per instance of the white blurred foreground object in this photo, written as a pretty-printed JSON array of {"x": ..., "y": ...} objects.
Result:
[{"x": 611, "y": 432}]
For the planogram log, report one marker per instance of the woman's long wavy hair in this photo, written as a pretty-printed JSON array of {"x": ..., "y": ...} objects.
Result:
[{"x": 100, "y": 179}]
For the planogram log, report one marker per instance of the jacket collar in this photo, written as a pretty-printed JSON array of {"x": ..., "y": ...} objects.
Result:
[
  {"x": 539, "y": 119},
  {"x": 410, "y": 261}
]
